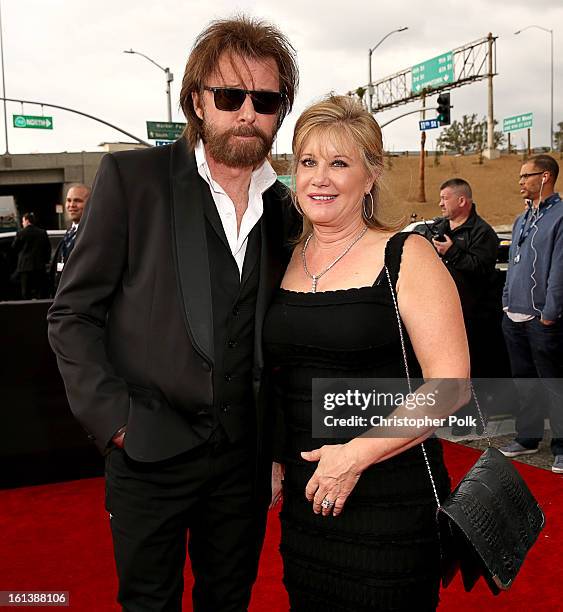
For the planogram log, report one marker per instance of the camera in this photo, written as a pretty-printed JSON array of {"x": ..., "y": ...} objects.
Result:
[{"x": 435, "y": 233}]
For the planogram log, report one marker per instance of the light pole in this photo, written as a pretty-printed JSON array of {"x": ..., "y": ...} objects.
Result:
[
  {"x": 169, "y": 78},
  {"x": 3, "y": 81},
  {"x": 550, "y": 32},
  {"x": 370, "y": 81}
]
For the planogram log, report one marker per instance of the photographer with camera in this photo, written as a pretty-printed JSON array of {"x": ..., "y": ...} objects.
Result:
[
  {"x": 468, "y": 246},
  {"x": 466, "y": 243}
]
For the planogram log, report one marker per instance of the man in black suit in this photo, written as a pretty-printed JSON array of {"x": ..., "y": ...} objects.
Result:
[
  {"x": 34, "y": 251},
  {"x": 158, "y": 319},
  {"x": 76, "y": 198}
]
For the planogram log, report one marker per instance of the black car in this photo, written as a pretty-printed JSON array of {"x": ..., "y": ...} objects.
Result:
[
  {"x": 504, "y": 236},
  {"x": 9, "y": 287},
  {"x": 505, "y": 240},
  {"x": 42, "y": 441}
]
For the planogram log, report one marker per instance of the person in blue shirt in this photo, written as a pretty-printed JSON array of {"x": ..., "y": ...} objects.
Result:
[{"x": 533, "y": 306}]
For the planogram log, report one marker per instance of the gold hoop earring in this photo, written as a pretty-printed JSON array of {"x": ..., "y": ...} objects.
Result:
[
  {"x": 297, "y": 207},
  {"x": 364, "y": 208}
]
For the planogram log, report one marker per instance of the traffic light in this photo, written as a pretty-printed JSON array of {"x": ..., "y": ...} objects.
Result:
[{"x": 443, "y": 109}]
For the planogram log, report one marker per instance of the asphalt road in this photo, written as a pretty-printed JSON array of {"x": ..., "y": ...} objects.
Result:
[{"x": 501, "y": 433}]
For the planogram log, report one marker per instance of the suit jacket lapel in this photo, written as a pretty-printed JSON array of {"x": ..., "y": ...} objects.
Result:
[
  {"x": 253, "y": 250},
  {"x": 271, "y": 269},
  {"x": 212, "y": 215},
  {"x": 189, "y": 192}
]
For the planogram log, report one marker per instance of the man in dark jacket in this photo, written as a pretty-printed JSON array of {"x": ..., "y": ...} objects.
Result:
[
  {"x": 157, "y": 326},
  {"x": 34, "y": 252},
  {"x": 76, "y": 198},
  {"x": 468, "y": 246}
]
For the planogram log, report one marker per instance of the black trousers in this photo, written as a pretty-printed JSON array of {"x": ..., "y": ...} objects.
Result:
[
  {"x": 209, "y": 493},
  {"x": 536, "y": 351},
  {"x": 32, "y": 284}
]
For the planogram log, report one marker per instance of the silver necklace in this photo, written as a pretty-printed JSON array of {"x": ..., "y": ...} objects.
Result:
[{"x": 315, "y": 277}]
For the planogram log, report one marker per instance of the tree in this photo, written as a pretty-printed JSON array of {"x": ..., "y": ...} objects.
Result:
[
  {"x": 361, "y": 92},
  {"x": 467, "y": 136},
  {"x": 559, "y": 137}
]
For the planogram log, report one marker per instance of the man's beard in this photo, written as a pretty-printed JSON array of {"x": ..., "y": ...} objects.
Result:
[{"x": 234, "y": 152}]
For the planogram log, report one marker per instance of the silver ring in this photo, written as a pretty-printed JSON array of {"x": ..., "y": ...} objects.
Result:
[{"x": 327, "y": 504}]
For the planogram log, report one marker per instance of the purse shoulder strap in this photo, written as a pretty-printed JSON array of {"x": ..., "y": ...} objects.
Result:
[{"x": 393, "y": 254}]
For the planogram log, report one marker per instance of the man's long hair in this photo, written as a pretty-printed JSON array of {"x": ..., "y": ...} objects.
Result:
[{"x": 242, "y": 37}]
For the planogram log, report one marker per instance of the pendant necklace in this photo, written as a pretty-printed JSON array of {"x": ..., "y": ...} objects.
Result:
[{"x": 315, "y": 277}]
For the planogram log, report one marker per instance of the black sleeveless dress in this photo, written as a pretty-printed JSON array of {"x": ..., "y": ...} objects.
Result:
[{"x": 382, "y": 552}]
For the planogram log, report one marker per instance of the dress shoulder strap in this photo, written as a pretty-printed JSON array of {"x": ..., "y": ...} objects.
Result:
[{"x": 394, "y": 253}]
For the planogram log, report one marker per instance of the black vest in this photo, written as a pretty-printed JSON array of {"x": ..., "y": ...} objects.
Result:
[{"x": 234, "y": 306}]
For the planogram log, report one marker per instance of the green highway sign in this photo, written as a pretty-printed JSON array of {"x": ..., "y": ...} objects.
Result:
[
  {"x": 33, "y": 121},
  {"x": 433, "y": 73},
  {"x": 518, "y": 122},
  {"x": 163, "y": 130}
]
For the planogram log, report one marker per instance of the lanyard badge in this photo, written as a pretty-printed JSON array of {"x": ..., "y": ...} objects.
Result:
[{"x": 534, "y": 220}]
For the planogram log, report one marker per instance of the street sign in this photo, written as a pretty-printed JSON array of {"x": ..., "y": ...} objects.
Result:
[
  {"x": 161, "y": 143},
  {"x": 285, "y": 179},
  {"x": 518, "y": 122},
  {"x": 428, "y": 124},
  {"x": 163, "y": 130},
  {"x": 433, "y": 72},
  {"x": 33, "y": 121}
]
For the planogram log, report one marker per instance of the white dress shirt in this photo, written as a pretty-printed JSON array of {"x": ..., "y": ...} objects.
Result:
[{"x": 262, "y": 179}]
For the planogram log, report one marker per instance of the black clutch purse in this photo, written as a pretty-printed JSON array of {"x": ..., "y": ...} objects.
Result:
[
  {"x": 488, "y": 524},
  {"x": 490, "y": 521}
]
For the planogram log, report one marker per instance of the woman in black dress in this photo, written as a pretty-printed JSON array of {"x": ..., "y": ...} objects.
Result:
[{"x": 358, "y": 517}]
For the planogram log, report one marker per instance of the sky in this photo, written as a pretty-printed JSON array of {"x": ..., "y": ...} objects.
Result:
[{"x": 70, "y": 53}]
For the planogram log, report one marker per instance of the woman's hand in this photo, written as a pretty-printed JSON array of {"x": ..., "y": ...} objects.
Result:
[
  {"x": 278, "y": 471},
  {"x": 336, "y": 475},
  {"x": 119, "y": 437}
]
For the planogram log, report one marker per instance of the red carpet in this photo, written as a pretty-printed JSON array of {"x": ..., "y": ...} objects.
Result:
[{"x": 56, "y": 537}]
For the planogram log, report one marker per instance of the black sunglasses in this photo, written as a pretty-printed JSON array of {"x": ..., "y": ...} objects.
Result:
[
  {"x": 231, "y": 99},
  {"x": 529, "y": 174}
]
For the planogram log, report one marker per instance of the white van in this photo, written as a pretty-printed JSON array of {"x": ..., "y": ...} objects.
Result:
[{"x": 8, "y": 217}]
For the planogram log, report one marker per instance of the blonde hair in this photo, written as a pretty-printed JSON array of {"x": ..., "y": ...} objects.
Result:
[{"x": 342, "y": 120}]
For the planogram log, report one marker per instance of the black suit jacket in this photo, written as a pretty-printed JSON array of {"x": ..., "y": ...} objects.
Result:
[
  {"x": 34, "y": 249},
  {"x": 132, "y": 322},
  {"x": 54, "y": 276}
]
